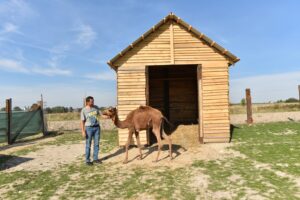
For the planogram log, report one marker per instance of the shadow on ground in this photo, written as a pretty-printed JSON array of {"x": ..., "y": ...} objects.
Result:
[
  {"x": 151, "y": 149},
  {"x": 25, "y": 141},
  {"x": 13, "y": 161}
]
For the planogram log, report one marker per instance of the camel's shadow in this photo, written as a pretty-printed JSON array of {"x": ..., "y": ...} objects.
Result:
[{"x": 151, "y": 149}]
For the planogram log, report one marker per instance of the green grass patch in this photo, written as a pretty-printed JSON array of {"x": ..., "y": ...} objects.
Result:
[{"x": 277, "y": 144}]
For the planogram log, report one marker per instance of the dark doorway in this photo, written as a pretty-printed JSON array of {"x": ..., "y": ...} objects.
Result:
[{"x": 173, "y": 90}]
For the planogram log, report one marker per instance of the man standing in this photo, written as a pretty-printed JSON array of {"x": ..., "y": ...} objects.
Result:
[{"x": 90, "y": 129}]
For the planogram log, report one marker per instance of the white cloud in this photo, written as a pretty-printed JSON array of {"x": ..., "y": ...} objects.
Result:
[
  {"x": 12, "y": 66},
  {"x": 9, "y": 28},
  {"x": 51, "y": 71},
  {"x": 16, "y": 9},
  {"x": 101, "y": 76},
  {"x": 266, "y": 88},
  {"x": 86, "y": 35},
  {"x": 18, "y": 67}
]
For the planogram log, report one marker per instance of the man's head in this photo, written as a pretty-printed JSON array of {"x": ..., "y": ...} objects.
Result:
[{"x": 89, "y": 101}]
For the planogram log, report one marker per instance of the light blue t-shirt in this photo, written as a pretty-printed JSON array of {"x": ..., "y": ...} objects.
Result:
[{"x": 90, "y": 116}]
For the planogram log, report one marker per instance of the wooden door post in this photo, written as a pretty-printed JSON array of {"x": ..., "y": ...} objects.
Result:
[
  {"x": 8, "y": 112},
  {"x": 200, "y": 104},
  {"x": 249, "y": 106}
]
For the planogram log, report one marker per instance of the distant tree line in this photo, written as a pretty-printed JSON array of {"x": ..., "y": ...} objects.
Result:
[
  {"x": 289, "y": 100},
  {"x": 55, "y": 109},
  {"x": 62, "y": 109}
]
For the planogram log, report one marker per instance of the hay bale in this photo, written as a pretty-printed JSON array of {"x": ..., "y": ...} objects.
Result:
[{"x": 186, "y": 136}]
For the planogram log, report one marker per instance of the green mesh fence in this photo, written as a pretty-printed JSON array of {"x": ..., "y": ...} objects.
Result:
[
  {"x": 3, "y": 126},
  {"x": 23, "y": 124}
]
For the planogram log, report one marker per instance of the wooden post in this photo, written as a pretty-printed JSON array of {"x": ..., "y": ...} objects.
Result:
[
  {"x": 249, "y": 106},
  {"x": 8, "y": 112},
  {"x": 42, "y": 116},
  {"x": 200, "y": 110}
]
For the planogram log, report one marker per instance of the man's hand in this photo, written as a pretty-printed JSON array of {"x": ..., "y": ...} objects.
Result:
[{"x": 83, "y": 134}]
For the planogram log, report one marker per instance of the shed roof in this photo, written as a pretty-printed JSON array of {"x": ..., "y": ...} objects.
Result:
[{"x": 231, "y": 57}]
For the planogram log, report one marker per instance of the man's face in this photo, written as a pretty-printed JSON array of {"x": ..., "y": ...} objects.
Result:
[{"x": 91, "y": 102}]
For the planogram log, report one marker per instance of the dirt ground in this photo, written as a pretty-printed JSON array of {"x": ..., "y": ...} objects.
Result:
[{"x": 52, "y": 156}]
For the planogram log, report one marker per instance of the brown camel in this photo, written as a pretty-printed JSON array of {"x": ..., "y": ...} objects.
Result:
[{"x": 141, "y": 118}]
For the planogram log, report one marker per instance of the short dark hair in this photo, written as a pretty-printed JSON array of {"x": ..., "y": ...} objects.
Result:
[{"x": 88, "y": 99}]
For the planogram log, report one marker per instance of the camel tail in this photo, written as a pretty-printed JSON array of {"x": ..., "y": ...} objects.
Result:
[{"x": 166, "y": 120}]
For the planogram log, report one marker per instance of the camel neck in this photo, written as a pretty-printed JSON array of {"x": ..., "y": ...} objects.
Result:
[{"x": 120, "y": 124}]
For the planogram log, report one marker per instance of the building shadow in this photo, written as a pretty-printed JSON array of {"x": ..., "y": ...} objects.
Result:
[
  {"x": 232, "y": 128},
  {"x": 9, "y": 161}
]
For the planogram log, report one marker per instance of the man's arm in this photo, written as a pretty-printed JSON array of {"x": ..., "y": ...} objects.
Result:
[
  {"x": 82, "y": 128},
  {"x": 82, "y": 124}
]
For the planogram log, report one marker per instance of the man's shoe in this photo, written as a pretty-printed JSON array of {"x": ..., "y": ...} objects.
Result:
[
  {"x": 98, "y": 161},
  {"x": 89, "y": 163}
]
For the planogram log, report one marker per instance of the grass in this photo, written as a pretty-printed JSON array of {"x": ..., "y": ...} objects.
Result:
[
  {"x": 63, "y": 116},
  {"x": 267, "y": 168},
  {"x": 266, "y": 107}
]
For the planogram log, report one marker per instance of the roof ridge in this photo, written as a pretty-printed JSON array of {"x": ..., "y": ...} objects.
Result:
[{"x": 178, "y": 20}]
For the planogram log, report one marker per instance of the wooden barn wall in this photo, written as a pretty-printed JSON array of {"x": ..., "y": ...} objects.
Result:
[
  {"x": 215, "y": 102},
  {"x": 155, "y": 49},
  {"x": 131, "y": 94},
  {"x": 173, "y": 44}
]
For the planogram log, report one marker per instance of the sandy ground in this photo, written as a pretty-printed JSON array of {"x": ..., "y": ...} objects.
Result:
[
  {"x": 234, "y": 119},
  {"x": 266, "y": 117},
  {"x": 52, "y": 156}
]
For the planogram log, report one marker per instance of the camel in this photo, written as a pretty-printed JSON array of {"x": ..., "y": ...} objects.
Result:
[{"x": 141, "y": 118}]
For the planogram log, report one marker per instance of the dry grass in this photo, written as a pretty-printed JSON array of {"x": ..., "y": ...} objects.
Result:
[{"x": 266, "y": 107}]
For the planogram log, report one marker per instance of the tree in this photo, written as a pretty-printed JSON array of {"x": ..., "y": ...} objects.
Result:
[
  {"x": 3, "y": 109},
  {"x": 292, "y": 100},
  {"x": 17, "y": 108},
  {"x": 243, "y": 101}
]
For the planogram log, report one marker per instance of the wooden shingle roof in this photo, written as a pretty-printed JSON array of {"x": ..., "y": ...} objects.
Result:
[{"x": 231, "y": 57}]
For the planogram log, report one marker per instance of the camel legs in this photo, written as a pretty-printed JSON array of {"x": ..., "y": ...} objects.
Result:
[
  {"x": 156, "y": 132},
  {"x": 127, "y": 145},
  {"x": 168, "y": 138},
  {"x": 137, "y": 136}
]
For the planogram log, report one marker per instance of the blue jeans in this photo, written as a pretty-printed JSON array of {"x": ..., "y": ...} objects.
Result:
[{"x": 92, "y": 133}]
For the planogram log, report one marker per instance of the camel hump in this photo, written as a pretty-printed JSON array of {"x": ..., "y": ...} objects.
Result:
[{"x": 144, "y": 107}]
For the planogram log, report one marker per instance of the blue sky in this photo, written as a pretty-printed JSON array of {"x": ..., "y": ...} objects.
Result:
[{"x": 60, "y": 48}]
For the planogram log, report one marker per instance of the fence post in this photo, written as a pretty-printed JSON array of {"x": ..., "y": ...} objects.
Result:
[
  {"x": 42, "y": 116},
  {"x": 249, "y": 106},
  {"x": 8, "y": 112}
]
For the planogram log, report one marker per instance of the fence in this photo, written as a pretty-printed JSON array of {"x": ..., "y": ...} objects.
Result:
[{"x": 15, "y": 125}]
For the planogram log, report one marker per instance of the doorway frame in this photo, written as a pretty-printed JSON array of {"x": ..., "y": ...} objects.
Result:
[{"x": 199, "y": 92}]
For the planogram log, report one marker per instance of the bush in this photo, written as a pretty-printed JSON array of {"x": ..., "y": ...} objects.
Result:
[
  {"x": 243, "y": 102},
  {"x": 291, "y": 100}
]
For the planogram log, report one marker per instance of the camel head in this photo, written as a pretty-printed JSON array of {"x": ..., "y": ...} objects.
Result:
[{"x": 111, "y": 112}]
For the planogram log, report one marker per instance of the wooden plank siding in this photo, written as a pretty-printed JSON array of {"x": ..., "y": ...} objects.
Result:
[
  {"x": 174, "y": 44},
  {"x": 131, "y": 88}
]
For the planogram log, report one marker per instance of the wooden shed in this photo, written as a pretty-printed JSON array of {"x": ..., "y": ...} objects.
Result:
[{"x": 180, "y": 71}]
